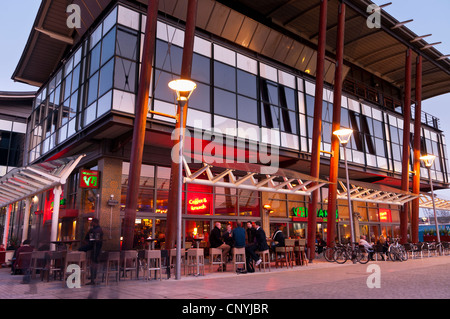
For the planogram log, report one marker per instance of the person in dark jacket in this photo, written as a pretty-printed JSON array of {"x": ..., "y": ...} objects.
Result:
[
  {"x": 94, "y": 242},
  {"x": 260, "y": 244},
  {"x": 215, "y": 241},
  {"x": 277, "y": 239},
  {"x": 239, "y": 236},
  {"x": 250, "y": 233}
]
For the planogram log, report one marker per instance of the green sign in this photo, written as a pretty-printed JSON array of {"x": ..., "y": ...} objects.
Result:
[
  {"x": 302, "y": 212},
  {"x": 89, "y": 179}
]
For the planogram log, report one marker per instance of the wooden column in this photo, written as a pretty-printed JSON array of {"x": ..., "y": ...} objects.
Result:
[
  {"x": 317, "y": 128},
  {"x": 406, "y": 147},
  {"x": 335, "y": 145},
  {"x": 417, "y": 131},
  {"x": 140, "y": 122},
  {"x": 186, "y": 68}
]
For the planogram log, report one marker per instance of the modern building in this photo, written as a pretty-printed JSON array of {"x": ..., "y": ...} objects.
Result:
[
  {"x": 265, "y": 76},
  {"x": 15, "y": 109}
]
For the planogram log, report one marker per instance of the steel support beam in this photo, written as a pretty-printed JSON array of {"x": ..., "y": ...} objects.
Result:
[
  {"x": 335, "y": 145},
  {"x": 317, "y": 127},
  {"x": 406, "y": 148},
  {"x": 140, "y": 122}
]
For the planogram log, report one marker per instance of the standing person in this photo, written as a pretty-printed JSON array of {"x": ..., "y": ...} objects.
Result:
[
  {"x": 215, "y": 241},
  {"x": 250, "y": 232},
  {"x": 94, "y": 244},
  {"x": 260, "y": 244},
  {"x": 239, "y": 236},
  {"x": 367, "y": 246}
]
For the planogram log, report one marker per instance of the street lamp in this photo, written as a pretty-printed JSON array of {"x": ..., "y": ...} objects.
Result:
[
  {"x": 428, "y": 160},
  {"x": 344, "y": 137},
  {"x": 183, "y": 89}
]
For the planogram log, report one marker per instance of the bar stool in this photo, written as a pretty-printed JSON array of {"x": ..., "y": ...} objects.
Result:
[
  {"x": 173, "y": 259},
  {"x": 153, "y": 262},
  {"x": 129, "y": 263},
  {"x": 281, "y": 256},
  {"x": 215, "y": 258},
  {"x": 195, "y": 261},
  {"x": 265, "y": 257},
  {"x": 239, "y": 258},
  {"x": 300, "y": 252},
  {"x": 113, "y": 265},
  {"x": 290, "y": 244},
  {"x": 54, "y": 264}
]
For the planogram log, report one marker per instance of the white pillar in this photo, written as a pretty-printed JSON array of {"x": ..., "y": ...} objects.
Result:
[
  {"x": 6, "y": 227},
  {"x": 55, "y": 216},
  {"x": 26, "y": 218}
]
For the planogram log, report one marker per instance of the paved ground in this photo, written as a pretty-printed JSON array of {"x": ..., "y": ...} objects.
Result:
[{"x": 413, "y": 279}]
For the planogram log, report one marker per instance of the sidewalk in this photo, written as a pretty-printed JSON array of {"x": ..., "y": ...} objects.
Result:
[{"x": 421, "y": 278}]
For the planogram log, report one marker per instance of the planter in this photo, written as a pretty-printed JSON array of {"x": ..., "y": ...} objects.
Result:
[{"x": 431, "y": 238}]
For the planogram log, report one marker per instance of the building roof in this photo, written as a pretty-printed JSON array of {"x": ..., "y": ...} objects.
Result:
[{"x": 285, "y": 30}]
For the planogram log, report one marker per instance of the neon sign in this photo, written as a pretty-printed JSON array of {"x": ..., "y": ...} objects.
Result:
[
  {"x": 301, "y": 214},
  {"x": 89, "y": 179},
  {"x": 384, "y": 215},
  {"x": 198, "y": 204}
]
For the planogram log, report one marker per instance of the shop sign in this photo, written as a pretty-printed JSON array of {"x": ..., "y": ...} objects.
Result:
[
  {"x": 385, "y": 215},
  {"x": 301, "y": 214},
  {"x": 89, "y": 179},
  {"x": 198, "y": 204}
]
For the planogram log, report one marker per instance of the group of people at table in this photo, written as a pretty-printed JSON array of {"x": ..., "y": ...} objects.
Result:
[{"x": 253, "y": 239}]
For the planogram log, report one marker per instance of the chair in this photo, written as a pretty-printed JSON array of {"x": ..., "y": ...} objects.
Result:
[
  {"x": 188, "y": 245},
  {"x": 196, "y": 261},
  {"x": 173, "y": 259},
  {"x": 55, "y": 264},
  {"x": 265, "y": 257},
  {"x": 76, "y": 258},
  {"x": 153, "y": 262},
  {"x": 432, "y": 248},
  {"x": 409, "y": 249},
  {"x": 418, "y": 249},
  {"x": 38, "y": 263},
  {"x": 445, "y": 247},
  {"x": 426, "y": 247},
  {"x": 129, "y": 263},
  {"x": 215, "y": 258},
  {"x": 239, "y": 258},
  {"x": 300, "y": 251},
  {"x": 378, "y": 251},
  {"x": 112, "y": 266}
]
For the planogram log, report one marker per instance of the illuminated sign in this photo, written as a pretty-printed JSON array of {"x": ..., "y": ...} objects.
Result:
[
  {"x": 89, "y": 179},
  {"x": 301, "y": 214},
  {"x": 198, "y": 204},
  {"x": 385, "y": 215}
]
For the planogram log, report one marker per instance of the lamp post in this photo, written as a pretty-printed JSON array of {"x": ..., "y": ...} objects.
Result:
[
  {"x": 428, "y": 161},
  {"x": 344, "y": 135},
  {"x": 183, "y": 89}
]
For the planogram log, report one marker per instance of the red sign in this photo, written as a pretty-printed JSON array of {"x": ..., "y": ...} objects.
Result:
[
  {"x": 384, "y": 215},
  {"x": 89, "y": 179}
]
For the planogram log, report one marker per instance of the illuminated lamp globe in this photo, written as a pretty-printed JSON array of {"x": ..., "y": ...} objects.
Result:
[
  {"x": 344, "y": 135},
  {"x": 184, "y": 88},
  {"x": 428, "y": 159}
]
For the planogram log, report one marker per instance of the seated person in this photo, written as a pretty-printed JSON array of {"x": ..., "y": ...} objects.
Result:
[
  {"x": 24, "y": 264},
  {"x": 367, "y": 246},
  {"x": 277, "y": 239},
  {"x": 215, "y": 241}
]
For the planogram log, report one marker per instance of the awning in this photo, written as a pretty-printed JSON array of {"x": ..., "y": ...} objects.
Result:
[
  {"x": 426, "y": 201},
  {"x": 25, "y": 182},
  {"x": 251, "y": 177},
  {"x": 374, "y": 193}
]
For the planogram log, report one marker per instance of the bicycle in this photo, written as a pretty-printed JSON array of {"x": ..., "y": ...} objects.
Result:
[
  {"x": 397, "y": 251},
  {"x": 328, "y": 253},
  {"x": 354, "y": 252}
]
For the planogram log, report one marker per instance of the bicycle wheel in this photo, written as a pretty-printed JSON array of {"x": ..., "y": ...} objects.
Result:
[
  {"x": 394, "y": 255},
  {"x": 328, "y": 254},
  {"x": 362, "y": 256},
  {"x": 403, "y": 254},
  {"x": 340, "y": 256}
]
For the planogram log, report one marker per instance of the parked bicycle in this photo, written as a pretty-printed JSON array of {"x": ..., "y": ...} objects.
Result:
[
  {"x": 354, "y": 252},
  {"x": 396, "y": 251}
]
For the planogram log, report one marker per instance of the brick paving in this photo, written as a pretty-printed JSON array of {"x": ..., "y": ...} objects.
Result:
[{"x": 413, "y": 279}]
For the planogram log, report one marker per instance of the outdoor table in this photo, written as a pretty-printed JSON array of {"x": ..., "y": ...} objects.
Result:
[
  {"x": 197, "y": 241},
  {"x": 68, "y": 243}
]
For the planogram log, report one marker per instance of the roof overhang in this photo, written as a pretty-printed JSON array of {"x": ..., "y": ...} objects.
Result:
[
  {"x": 25, "y": 182},
  {"x": 426, "y": 201},
  {"x": 250, "y": 176},
  {"x": 374, "y": 193}
]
